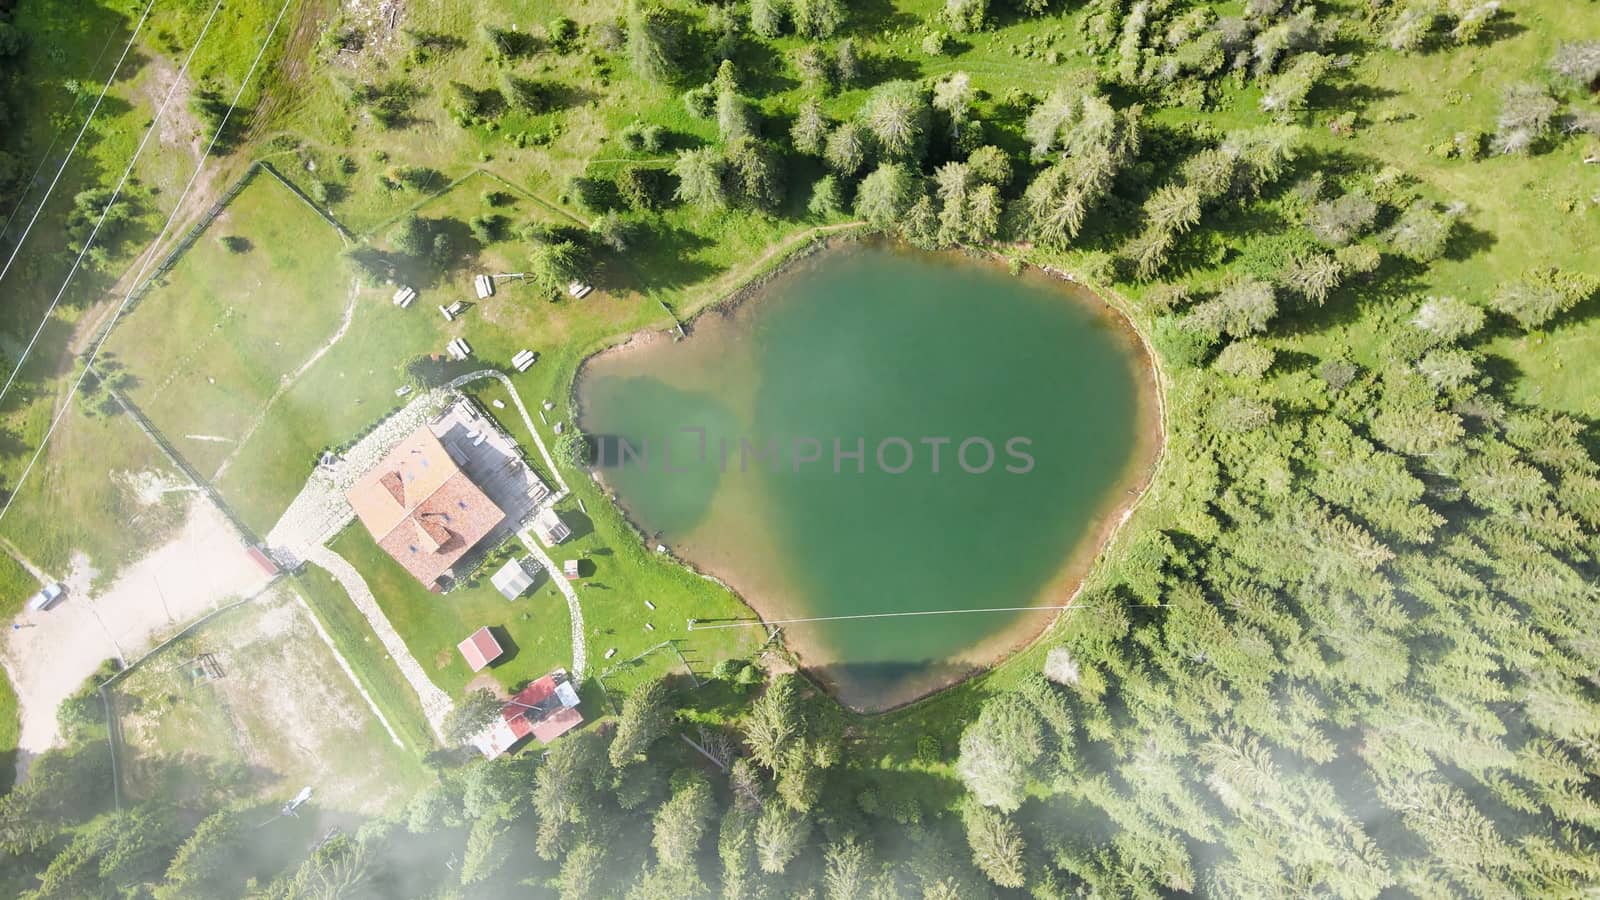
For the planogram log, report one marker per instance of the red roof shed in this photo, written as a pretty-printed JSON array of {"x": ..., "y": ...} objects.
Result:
[{"x": 480, "y": 649}]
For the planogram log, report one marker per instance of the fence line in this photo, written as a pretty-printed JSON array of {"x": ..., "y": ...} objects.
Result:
[
  {"x": 670, "y": 644},
  {"x": 113, "y": 722},
  {"x": 424, "y": 201},
  {"x": 295, "y": 189},
  {"x": 177, "y": 459},
  {"x": 192, "y": 236}
]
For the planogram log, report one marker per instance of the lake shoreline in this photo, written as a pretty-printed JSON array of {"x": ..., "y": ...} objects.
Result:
[{"x": 1061, "y": 590}]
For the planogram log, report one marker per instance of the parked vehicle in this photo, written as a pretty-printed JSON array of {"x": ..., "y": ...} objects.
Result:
[{"x": 50, "y": 596}]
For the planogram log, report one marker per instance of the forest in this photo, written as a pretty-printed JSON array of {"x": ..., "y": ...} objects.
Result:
[{"x": 1346, "y": 649}]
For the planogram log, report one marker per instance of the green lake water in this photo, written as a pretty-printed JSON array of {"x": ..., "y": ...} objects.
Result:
[{"x": 892, "y": 353}]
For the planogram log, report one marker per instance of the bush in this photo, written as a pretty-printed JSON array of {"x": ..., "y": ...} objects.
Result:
[
  {"x": 642, "y": 187},
  {"x": 639, "y": 137},
  {"x": 701, "y": 102},
  {"x": 1178, "y": 345},
  {"x": 562, "y": 32}
]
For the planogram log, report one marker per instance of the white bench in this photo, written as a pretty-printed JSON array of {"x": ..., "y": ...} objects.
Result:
[{"x": 404, "y": 296}]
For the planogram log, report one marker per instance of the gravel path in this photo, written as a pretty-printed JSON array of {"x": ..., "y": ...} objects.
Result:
[
  {"x": 580, "y": 656},
  {"x": 320, "y": 511},
  {"x": 436, "y": 704}
]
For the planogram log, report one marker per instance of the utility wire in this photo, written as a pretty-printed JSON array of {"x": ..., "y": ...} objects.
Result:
[
  {"x": 70, "y": 151},
  {"x": 695, "y": 626},
  {"x": 149, "y": 255},
  {"x": 105, "y": 211},
  {"x": 44, "y": 159}
]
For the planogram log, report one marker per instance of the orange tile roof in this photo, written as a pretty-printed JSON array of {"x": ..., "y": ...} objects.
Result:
[
  {"x": 422, "y": 509},
  {"x": 415, "y": 468}
]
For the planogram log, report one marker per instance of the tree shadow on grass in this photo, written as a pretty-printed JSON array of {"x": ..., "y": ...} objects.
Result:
[
  {"x": 668, "y": 261},
  {"x": 877, "y": 16},
  {"x": 508, "y": 646},
  {"x": 1468, "y": 240}
]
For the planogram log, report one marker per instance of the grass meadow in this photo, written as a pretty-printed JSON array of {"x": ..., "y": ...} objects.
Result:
[
  {"x": 282, "y": 715},
  {"x": 1406, "y": 106},
  {"x": 242, "y": 310}
]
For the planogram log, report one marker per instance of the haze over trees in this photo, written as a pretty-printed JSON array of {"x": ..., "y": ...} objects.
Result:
[{"x": 1344, "y": 647}]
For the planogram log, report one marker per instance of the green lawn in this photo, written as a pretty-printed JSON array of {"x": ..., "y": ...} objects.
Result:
[
  {"x": 210, "y": 345},
  {"x": 282, "y": 715},
  {"x": 374, "y": 669},
  {"x": 16, "y": 586},
  {"x": 534, "y": 630}
]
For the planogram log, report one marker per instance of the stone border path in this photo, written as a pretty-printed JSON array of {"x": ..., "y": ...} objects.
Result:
[
  {"x": 579, "y": 647},
  {"x": 436, "y": 704},
  {"x": 319, "y": 511}
]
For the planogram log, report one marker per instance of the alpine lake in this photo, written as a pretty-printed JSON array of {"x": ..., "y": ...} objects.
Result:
[{"x": 877, "y": 430}]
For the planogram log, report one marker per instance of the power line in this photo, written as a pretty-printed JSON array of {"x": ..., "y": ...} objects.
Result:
[
  {"x": 149, "y": 255},
  {"x": 55, "y": 139},
  {"x": 885, "y": 615},
  {"x": 757, "y": 623},
  {"x": 116, "y": 193},
  {"x": 70, "y": 151}
]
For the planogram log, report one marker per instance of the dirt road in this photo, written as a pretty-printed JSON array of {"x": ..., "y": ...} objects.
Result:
[{"x": 48, "y": 655}]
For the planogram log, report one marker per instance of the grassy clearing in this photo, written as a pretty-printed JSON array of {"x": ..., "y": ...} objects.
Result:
[
  {"x": 534, "y": 630},
  {"x": 373, "y": 668},
  {"x": 247, "y": 305},
  {"x": 282, "y": 715},
  {"x": 106, "y": 468},
  {"x": 16, "y": 585}
]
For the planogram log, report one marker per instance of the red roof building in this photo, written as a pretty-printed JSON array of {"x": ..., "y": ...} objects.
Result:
[
  {"x": 545, "y": 709},
  {"x": 480, "y": 649},
  {"x": 422, "y": 509}
]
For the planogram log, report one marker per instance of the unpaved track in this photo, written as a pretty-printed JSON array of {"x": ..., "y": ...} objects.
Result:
[
  {"x": 436, "y": 704},
  {"x": 49, "y": 655},
  {"x": 289, "y": 382}
]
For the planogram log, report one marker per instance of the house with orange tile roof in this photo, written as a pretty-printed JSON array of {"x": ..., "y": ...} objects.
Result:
[{"x": 422, "y": 509}]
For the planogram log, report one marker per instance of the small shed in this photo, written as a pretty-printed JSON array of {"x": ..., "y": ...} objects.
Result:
[
  {"x": 570, "y": 569},
  {"x": 480, "y": 649},
  {"x": 512, "y": 580},
  {"x": 550, "y": 528}
]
